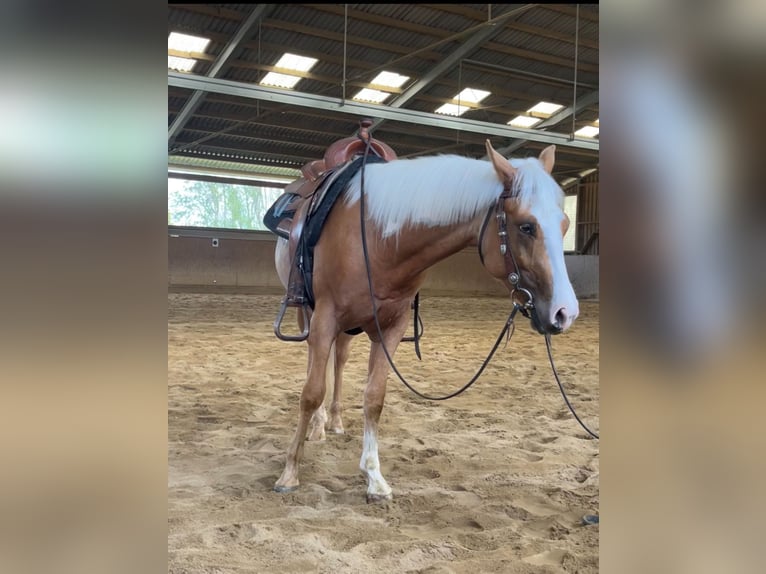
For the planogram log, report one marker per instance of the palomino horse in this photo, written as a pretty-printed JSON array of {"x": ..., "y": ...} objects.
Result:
[{"x": 418, "y": 212}]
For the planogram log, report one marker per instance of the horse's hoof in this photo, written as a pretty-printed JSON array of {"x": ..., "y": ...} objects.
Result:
[
  {"x": 284, "y": 489},
  {"x": 317, "y": 437},
  {"x": 378, "y": 498}
]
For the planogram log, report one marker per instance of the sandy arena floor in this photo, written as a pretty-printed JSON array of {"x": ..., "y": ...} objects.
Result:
[{"x": 495, "y": 480}]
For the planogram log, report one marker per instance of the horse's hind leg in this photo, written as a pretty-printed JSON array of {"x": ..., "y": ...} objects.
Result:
[
  {"x": 317, "y": 425},
  {"x": 342, "y": 348},
  {"x": 374, "y": 395},
  {"x": 319, "y": 418},
  {"x": 335, "y": 365},
  {"x": 282, "y": 262},
  {"x": 334, "y": 372},
  {"x": 320, "y": 340}
]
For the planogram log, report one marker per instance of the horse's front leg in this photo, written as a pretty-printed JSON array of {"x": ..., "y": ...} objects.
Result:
[
  {"x": 374, "y": 395},
  {"x": 321, "y": 337}
]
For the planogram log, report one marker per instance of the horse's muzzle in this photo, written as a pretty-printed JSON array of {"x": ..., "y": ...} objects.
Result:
[{"x": 544, "y": 327}]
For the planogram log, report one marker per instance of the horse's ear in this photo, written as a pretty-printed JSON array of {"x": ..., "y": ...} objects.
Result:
[
  {"x": 548, "y": 157},
  {"x": 503, "y": 167}
]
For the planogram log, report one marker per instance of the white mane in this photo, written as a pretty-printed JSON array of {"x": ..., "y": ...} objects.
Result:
[{"x": 445, "y": 189}]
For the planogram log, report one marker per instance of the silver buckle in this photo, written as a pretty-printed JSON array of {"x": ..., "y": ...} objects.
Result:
[{"x": 529, "y": 303}]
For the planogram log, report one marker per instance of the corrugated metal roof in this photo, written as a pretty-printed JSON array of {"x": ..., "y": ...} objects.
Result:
[
  {"x": 193, "y": 22},
  {"x": 382, "y": 36},
  {"x": 423, "y": 15}
]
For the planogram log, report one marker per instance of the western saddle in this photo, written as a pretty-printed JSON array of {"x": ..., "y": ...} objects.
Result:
[{"x": 302, "y": 198}]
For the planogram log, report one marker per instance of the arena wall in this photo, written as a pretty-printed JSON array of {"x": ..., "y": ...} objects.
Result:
[{"x": 245, "y": 263}]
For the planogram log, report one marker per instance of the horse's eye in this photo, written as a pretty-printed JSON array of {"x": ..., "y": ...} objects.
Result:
[{"x": 528, "y": 229}]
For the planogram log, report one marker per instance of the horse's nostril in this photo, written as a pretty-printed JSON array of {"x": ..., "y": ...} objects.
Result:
[{"x": 561, "y": 318}]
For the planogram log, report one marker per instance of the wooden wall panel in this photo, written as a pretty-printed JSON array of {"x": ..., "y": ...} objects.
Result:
[{"x": 587, "y": 215}]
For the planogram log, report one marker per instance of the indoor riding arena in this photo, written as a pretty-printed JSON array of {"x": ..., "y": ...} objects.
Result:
[{"x": 501, "y": 478}]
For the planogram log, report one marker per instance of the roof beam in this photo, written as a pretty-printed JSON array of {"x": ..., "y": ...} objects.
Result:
[
  {"x": 284, "y": 154},
  {"x": 362, "y": 66},
  {"x": 195, "y": 99},
  {"x": 582, "y": 103},
  {"x": 333, "y": 81},
  {"x": 449, "y": 61},
  {"x": 252, "y": 91},
  {"x": 244, "y": 65},
  {"x": 421, "y": 132},
  {"x": 303, "y": 123}
]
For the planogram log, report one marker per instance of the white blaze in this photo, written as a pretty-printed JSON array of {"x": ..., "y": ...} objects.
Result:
[{"x": 563, "y": 295}]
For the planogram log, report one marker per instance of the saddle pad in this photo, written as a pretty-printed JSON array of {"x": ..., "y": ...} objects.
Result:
[
  {"x": 316, "y": 219},
  {"x": 279, "y": 216}
]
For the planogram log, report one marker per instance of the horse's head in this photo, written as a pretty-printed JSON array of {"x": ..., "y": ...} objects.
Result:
[{"x": 535, "y": 222}]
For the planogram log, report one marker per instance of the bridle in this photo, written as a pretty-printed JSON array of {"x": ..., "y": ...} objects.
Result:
[
  {"x": 511, "y": 268},
  {"x": 514, "y": 278}
]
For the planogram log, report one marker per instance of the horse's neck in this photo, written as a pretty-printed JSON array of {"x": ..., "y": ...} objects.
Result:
[{"x": 415, "y": 249}]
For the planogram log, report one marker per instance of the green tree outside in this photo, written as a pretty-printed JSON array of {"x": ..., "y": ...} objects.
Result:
[{"x": 224, "y": 205}]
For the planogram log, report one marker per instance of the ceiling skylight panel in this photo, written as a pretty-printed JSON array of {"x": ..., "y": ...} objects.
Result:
[
  {"x": 187, "y": 43},
  {"x": 280, "y": 80},
  {"x": 587, "y": 131},
  {"x": 370, "y": 95},
  {"x": 294, "y": 62},
  {"x": 181, "y": 64},
  {"x": 545, "y": 108},
  {"x": 389, "y": 80},
  {"x": 452, "y": 110},
  {"x": 288, "y": 61},
  {"x": 524, "y": 122},
  {"x": 471, "y": 95}
]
